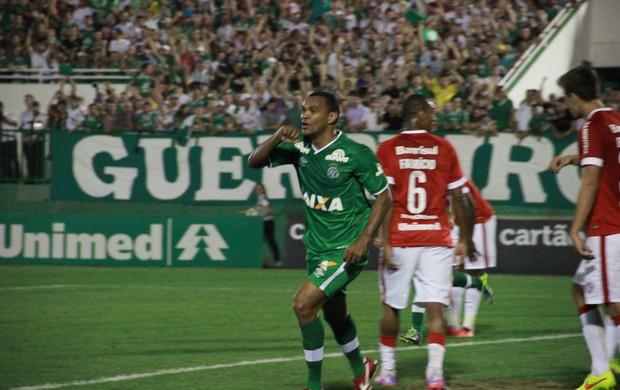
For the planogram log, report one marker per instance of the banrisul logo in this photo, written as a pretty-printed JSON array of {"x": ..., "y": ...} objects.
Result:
[
  {"x": 199, "y": 239},
  {"x": 60, "y": 242}
]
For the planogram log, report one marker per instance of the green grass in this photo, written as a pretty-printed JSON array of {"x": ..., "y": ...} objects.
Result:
[{"x": 72, "y": 325}]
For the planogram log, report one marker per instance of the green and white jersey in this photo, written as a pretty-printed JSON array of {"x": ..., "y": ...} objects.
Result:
[{"x": 332, "y": 182}]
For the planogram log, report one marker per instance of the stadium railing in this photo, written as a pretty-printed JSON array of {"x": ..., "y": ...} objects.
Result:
[{"x": 79, "y": 75}]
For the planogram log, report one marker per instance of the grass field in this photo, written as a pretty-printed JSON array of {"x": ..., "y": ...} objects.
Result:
[{"x": 230, "y": 329}]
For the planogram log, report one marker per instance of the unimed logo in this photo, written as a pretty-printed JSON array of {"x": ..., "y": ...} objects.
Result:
[
  {"x": 58, "y": 243},
  {"x": 166, "y": 242}
]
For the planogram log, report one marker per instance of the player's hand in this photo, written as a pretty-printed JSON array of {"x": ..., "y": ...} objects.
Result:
[
  {"x": 559, "y": 162},
  {"x": 377, "y": 242},
  {"x": 465, "y": 249},
  {"x": 387, "y": 259},
  {"x": 288, "y": 134},
  {"x": 580, "y": 246},
  {"x": 356, "y": 251}
]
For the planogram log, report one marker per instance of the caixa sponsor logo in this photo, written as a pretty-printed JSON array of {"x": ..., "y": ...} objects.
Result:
[
  {"x": 199, "y": 241},
  {"x": 549, "y": 235}
]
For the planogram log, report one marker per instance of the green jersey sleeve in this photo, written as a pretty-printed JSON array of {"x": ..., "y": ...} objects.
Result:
[
  {"x": 369, "y": 171},
  {"x": 284, "y": 153}
]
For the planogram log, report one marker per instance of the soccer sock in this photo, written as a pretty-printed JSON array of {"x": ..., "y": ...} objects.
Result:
[
  {"x": 472, "y": 302},
  {"x": 461, "y": 279},
  {"x": 610, "y": 335},
  {"x": 346, "y": 336},
  {"x": 313, "y": 335},
  {"x": 594, "y": 334},
  {"x": 436, "y": 352},
  {"x": 417, "y": 316},
  {"x": 387, "y": 348},
  {"x": 616, "y": 320},
  {"x": 454, "y": 309}
]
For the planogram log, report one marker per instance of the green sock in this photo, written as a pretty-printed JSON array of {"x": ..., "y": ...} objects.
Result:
[
  {"x": 346, "y": 336},
  {"x": 417, "y": 320},
  {"x": 460, "y": 279},
  {"x": 313, "y": 335}
]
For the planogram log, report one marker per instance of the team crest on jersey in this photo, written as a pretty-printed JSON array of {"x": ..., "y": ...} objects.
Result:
[
  {"x": 303, "y": 161},
  {"x": 337, "y": 155},
  {"x": 319, "y": 272},
  {"x": 333, "y": 172}
]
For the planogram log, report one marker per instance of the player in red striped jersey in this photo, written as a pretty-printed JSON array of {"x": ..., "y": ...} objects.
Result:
[{"x": 598, "y": 210}]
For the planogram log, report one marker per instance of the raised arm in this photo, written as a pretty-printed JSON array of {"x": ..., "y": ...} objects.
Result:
[{"x": 259, "y": 158}]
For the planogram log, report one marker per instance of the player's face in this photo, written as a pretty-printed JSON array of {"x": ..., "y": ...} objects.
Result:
[
  {"x": 574, "y": 106},
  {"x": 315, "y": 117}
]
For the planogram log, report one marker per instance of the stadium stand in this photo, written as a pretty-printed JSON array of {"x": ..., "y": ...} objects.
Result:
[{"x": 226, "y": 66}]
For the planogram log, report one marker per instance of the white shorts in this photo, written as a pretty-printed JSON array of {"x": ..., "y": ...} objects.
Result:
[
  {"x": 429, "y": 268},
  {"x": 484, "y": 239},
  {"x": 585, "y": 267},
  {"x": 602, "y": 282}
]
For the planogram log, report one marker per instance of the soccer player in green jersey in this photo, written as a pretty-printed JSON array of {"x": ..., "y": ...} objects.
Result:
[{"x": 333, "y": 172}]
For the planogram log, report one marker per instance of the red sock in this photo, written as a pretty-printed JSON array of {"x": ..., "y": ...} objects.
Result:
[
  {"x": 388, "y": 341},
  {"x": 437, "y": 338},
  {"x": 616, "y": 319},
  {"x": 586, "y": 308}
]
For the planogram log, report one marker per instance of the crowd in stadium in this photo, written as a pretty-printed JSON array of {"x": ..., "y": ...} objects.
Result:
[{"x": 223, "y": 66}]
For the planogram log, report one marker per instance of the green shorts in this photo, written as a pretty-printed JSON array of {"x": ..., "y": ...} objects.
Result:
[{"x": 330, "y": 273}]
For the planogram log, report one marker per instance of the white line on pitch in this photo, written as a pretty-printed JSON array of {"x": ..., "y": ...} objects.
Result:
[{"x": 172, "y": 371}]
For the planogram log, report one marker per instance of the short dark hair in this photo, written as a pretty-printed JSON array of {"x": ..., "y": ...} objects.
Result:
[
  {"x": 581, "y": 81},
  {"x": 330, "y": 100},
  {"x": 412, "y": 105}
]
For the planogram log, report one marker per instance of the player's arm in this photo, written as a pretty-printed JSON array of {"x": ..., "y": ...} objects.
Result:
[
  {"x": 259, "y": 158},
  {"x": 356, "y": 251},
  {"x": 560, "y": 162},
  {"x": 590, "y": 178},
  {"x": 385, "y": 239},
  {"x": 464, "y": 214}
]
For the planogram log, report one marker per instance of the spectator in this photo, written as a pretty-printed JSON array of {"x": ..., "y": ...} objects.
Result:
[
  {"x": 38, "y": 55},
  {"x": 57, "y": 115},
  {"x": 26, "y": 116},
  {"x": 146, "y": 119},
  {"x": 503, "y": 111},
  {"x": 372, "y": 117},
  {"x": 124, "y": 119},
  {"x": 538, "y": 124},
  {"x": 75, "y": 115},
  {"x": 248, "y": 117},
  {"x": 459, "y": 117},
  {"x": 165, "y": 119},
  {"x": 524, "y": 113},
  {"x": 221, "y": 121},
  {"x": 355, "y": 114},
  {"x": 109, "y": 117},
  {"x": 9, "y": 167},
  {"x": 271, "y": 119},
  {"x": 445, "y": 87},
  {"x": 92, "y": 122},
  {"x": 293, "y": 114},
  {"x": 561, "y": 120},
  {"x": 33, "y": 145},
  {"x": 392, "y": 119}
]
